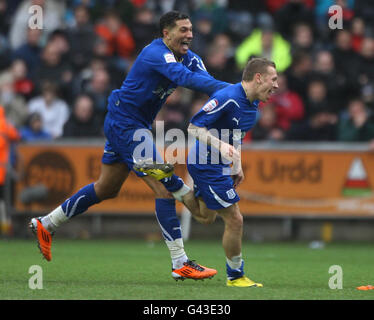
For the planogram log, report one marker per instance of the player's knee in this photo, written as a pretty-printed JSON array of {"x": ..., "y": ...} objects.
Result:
[
  {"x": 235, "y": 221},
  {"x": 158, "y": 188},
  {"x": 210, "y": 218}
]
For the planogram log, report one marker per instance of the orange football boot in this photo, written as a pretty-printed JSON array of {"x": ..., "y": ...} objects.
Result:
[
  {"x": 369, "y": 287},
  {"x": 43, "y": 236},
  {"x": 192, "y": 270}
]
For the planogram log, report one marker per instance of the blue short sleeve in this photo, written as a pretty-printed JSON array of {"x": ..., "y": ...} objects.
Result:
[{"x": 216, "y": 108}]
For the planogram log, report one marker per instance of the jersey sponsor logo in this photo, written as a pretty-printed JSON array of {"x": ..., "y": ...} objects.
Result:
[
  {"x": 230, "y": 194},
  {"x": 169, "y": 57},
  {"x": 163, "y": 93},
  {"x": 210, "y": 105},
  {"x": 238, "y": 135}
]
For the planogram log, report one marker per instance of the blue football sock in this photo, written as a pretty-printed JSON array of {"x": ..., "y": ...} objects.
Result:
[
  {"x": 233, "y": 274},
  {"x": 172, "y": 183},
  {"x": 81, "y": 201},
  {"x": 171, "y": 231},
  {"x": 167, "y": 219}
]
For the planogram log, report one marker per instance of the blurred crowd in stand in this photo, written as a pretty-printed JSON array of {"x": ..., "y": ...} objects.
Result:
[{"x": 54, "y": 81}]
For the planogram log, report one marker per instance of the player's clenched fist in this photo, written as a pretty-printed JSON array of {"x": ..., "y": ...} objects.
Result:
[{"x": 229, "y": 152}]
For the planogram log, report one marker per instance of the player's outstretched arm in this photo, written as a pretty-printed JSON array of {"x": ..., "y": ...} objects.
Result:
[
  {"x": 227, "y": 150},
  {"x": 203, "y": 135},
  {"x": 198, "y": 81},
  {"x": 183, "y": 77}
]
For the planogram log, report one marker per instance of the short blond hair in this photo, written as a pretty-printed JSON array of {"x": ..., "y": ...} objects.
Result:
[{"x": 256, "y": 65}]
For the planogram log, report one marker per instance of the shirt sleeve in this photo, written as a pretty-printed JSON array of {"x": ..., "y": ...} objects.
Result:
[
  {"x": 196, "y": 64},
  {"x": 182, "y": 76},
  {"x": 210, "y": 113}
]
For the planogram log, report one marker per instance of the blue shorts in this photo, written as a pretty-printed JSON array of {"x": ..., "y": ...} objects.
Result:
[
  {"x": 216, "y": 189},
  {"x": 128, "y": 142}
]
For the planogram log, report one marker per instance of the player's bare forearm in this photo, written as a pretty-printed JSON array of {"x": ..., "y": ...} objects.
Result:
[{"x": 203, "y": 135}]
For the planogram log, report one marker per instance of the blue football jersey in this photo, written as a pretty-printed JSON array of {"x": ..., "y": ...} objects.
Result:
[
  {"x": 228, "y": 115},
  {"x": 153, "y": 77}
]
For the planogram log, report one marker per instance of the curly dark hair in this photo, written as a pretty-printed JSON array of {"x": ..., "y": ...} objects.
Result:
[{"x": 168, "y": 20}]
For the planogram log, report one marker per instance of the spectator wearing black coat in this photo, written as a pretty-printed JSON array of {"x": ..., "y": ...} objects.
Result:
[
  {"x": 321, "y": 120},
  {"x": 83, "y": 121},
  {"x": 82, "y": 38}
]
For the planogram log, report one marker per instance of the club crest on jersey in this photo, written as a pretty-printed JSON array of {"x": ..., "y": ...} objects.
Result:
[
  {"x": 210, "y": 105},
  {"x": 169, "y": 57}
]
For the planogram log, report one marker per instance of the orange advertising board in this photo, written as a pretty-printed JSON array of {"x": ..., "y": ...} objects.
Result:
[
  {"x": 308, "y": 183},
  {"x": 277, "y": 182}
]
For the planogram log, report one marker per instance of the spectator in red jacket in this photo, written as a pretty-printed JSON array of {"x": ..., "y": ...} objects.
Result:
[
  {"x": 288, "y": 105},
  {"x": 358, "y": 33},
  {"x": 118, "y": 38}
]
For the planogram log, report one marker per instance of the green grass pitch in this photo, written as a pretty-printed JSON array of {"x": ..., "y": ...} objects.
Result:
[{"x": 139, "y": 270}]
